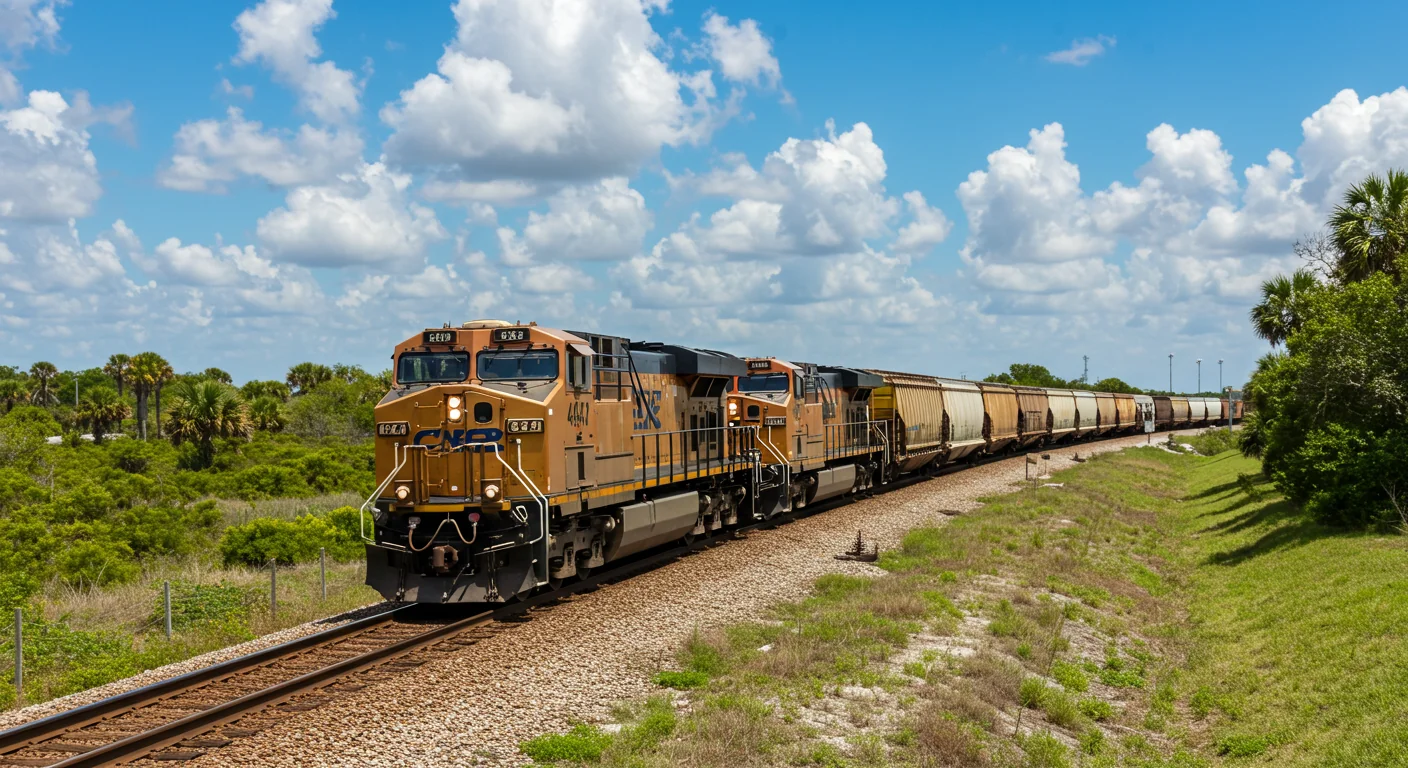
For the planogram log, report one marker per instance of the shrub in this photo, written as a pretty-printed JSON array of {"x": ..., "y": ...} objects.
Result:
[
  {"x": 1213, "y": 441},
  {"x": 1045, "y": 751},
  {"x": 1121, "y": 678},
  {"x": 97, "y": 563},
  {"x": 1202, "y": 703},
  {"x": 1092, "y": 741},
  {"x": 287, "y": 542},
  {"x": 1060, "y": 709},
  {"x": 197, "y": 604},
  {"x": 1070, "y": 676},
  {"x": 1033, "y": 692},
  {"x": 1098, "y": 710},
  {"x": 582, "y": 744}
]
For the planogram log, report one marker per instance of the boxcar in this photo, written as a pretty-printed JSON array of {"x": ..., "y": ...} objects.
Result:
[
  {"x": 1087, "y": 412},
  {"x": 1108, "y": 418},
  {"x": 1034, "y": 417},
  {"x": 1127, "y": 412},
  {"x": 1001, "y": 415},
  {"x": 1062, "y": 403},
  {"x": 963, "y": 409}
]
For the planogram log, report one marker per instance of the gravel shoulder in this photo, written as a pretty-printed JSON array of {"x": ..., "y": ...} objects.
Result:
[{"x": 472, "y": 707}]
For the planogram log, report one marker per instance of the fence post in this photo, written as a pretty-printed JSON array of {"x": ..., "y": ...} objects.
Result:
[
  {"x": 19, "y": 657},
  {"x": 323, "y": 569},
  {"x": 273, "y": 588},
  {"x": 166, "y": 603}
]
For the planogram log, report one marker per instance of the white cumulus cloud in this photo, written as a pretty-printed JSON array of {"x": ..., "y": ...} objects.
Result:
[
  {"x": 1082, "y": 51},
  {"x": 279, "y": 33}
]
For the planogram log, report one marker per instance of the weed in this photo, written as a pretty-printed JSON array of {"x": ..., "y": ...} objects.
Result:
[
  {"x": 916, "y": 669},
  {"x": 1060, "y": 709},
  {"x": 1242, "y": 745},
  {"x": 1045, "y": 751},
  {"x": 1024, "y": 651},
  {"x": 868, "y": 749},
  {"x": 681, "y": 681},
  {"x": 1092, "y": 741},
  {"x": 705, "y": 654},
  {"x": 582, "y": 744},
  {"x": 1121, "y": 678},
  {"x": 1070, "y": 676},
  {"x": 1098, "y": 710},
  {"x": 1202, "y": 703},
  {"x": 1033, "y": 693},
  {"x": 945, "y": 741}
]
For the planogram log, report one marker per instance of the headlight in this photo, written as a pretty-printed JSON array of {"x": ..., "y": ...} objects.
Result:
[
  {"x": 732, "y": 408},
  {"x": 455, "y": 414},
  {"x": 454, "y": 401},
  {"x": 491, "y": 491},
  {"x": 402, "y": 492}
]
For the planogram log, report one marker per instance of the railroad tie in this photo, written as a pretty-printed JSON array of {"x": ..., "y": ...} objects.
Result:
[
  {"x": 206, "y": 743},
  {"x": 177, "y": 755}
]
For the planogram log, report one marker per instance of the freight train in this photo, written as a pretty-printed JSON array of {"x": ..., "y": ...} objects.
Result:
[{"x": 511, "y": 458}]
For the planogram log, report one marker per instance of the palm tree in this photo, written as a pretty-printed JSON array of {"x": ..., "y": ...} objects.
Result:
[
  {"x": 117, "y": 368},
  {"x": 204, "y": 410},
  {"x": 13, "y": 391},
  {"x": 1370, "y": 230},
  {"x": 145, "y": 371},
  {"x": 267, "y": 414},
  {"x": 305, "y": 376},
  {"x": 101, "y": 408},
  {"x": 44, "y": 373},
  {"x": 1280, "y": 312},
  {"x": 165, "y": 377},
  {"x": 217, "y": 375}
]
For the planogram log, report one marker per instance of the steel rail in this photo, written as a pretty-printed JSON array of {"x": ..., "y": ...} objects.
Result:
[{"x": 35, "y": 731}]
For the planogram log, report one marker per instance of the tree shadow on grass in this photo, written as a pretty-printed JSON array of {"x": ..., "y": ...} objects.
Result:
[{"x": 1295, "y": 530}]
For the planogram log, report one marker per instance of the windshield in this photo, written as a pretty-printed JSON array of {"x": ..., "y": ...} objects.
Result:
[
  {"x": 518, "y": 364},
  {"x": 763, "y": 382},
  {"x": 426, "y": 367}
]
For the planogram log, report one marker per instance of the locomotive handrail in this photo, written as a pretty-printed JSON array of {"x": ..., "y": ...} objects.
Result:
[
  {"x": 376, "y": 494},
  {"x": 786, "y": 465}
]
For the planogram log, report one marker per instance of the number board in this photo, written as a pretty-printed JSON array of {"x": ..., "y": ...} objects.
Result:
[
  {"x": 508, "y": 335},
  {"x": 775, "y": 421},
  {"x": 438, "y": 337},
  {"x": 524, "y": 426},
  {"x": 754, "y": 365},
  {"x": 393, "y": 429}
]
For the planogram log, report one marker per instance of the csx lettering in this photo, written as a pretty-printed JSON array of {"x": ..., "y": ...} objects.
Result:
[
  {"x": 579, "y": 413},
  {"x": 474, "y": 440}
]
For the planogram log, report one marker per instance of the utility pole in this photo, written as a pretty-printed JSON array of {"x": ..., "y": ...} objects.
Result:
[
  {"x": 1200, "y": 374},
  {"x": 1219, "y": 374},
  {"x": 1085, "y": 371},
  {"x": 1170, "y": 373}
]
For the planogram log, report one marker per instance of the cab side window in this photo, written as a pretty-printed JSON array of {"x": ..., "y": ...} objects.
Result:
[{"x": 579, "y": 371}]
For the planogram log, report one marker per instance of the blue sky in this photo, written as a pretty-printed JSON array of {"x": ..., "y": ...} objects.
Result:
[{"x": 559, "y": 161}]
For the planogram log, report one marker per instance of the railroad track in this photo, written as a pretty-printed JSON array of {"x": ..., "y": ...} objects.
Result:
[{"x": 186, "y": 716}]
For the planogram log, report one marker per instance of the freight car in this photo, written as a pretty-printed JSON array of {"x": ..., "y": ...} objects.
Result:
[{"x": 511, "y": 457}]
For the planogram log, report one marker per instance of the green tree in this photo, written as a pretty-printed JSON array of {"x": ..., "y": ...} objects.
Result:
[
  {"x": 13, "y": 391},
  {"x": 1027, "y": 375},
  {"x": 217, "y": 375},
  {"x": 100, "y": 410},
  {"x": 253, "y": 390},
  {"x": 305, "y": 377},
  {"x": 43, "y": 374},
  {"x": 204, "y": 410},
  {"x": 267, "y": 414},
  {"x": 117, "y": 369},
  {"x": 1370, "y": 229},
  {"x": 1278, "y": 314},
  {"x": 1115, "y": 385}
]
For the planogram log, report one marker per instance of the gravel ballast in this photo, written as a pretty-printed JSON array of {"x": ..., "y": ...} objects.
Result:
[{"x": 473, "y": 706}]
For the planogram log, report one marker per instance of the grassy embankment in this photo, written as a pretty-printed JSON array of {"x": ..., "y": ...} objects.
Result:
[{"x": 1156, "y": 610}]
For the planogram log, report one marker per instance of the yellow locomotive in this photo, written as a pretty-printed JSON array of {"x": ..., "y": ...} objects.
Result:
[{"x": 510, "y": 457}]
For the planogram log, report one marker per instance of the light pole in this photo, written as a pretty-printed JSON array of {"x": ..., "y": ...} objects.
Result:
[
  {"x": 1219, "y": 375},
  {"x": 1170, "y": 373},
  {"x": 1200, "y": 374}
]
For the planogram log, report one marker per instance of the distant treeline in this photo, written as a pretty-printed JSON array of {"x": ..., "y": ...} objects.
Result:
[{"x": 1030, "y": 375}]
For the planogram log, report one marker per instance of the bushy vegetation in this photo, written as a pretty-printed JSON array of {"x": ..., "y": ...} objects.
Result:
[
  {"x": 175, "y": 471},
  {"x": 1328, "y": 418},
  {"x": 1031, "y": 375}
]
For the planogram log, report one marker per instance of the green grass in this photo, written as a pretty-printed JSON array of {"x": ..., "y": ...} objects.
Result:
[{"x": 1301, "y": 627}]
